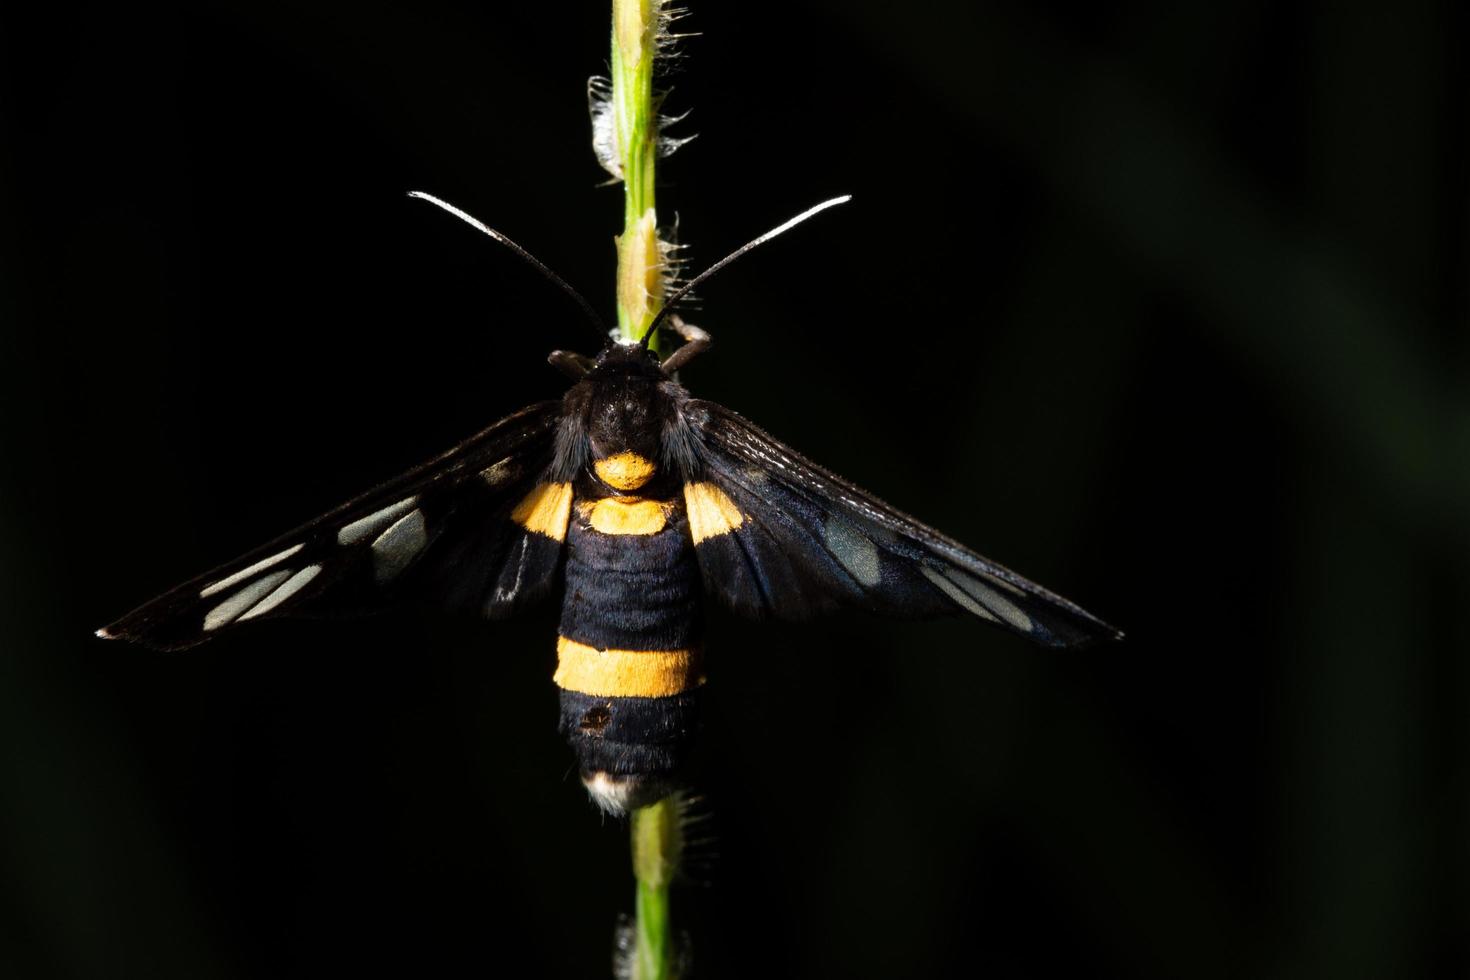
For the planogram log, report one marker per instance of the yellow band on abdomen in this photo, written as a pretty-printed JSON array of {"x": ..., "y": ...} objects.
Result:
[
  {"x": 628, "y": 515},
  {"x": 625, "y": 673}
]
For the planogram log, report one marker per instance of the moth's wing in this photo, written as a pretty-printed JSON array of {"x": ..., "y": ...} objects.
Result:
[
  {"x": 802, "y": 540},
  {"x": 442, "y": 531}
]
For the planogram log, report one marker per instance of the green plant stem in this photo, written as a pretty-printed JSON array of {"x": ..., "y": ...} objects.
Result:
[
  {"x": 652, "y": 956},
  {"x": 654, "y": 829},
  {"x": 635, "y": 121},
  {"x": 657, "y": 840}
]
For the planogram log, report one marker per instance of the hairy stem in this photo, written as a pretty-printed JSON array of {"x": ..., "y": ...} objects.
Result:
[
  {"x": 656, "y": 837},
  {"x": 635, "y": 121}
]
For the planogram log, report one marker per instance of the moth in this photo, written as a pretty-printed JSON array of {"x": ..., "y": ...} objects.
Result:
[{"x": 633, "y": 502}]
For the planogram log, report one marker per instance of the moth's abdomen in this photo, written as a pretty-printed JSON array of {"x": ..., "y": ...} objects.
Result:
[{"x": 629, "y": 654}]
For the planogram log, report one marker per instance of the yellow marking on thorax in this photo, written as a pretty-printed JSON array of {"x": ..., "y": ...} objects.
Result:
[
  {"x": 545, "y": 510},
  {"x": 625, "y": 470},
  {"x": 711, "y": 511},
  {"x": 627, "y": 515},
  {"x": 625, "y": 673}
]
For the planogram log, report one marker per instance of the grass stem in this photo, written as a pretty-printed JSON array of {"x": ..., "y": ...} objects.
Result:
[
  {"x": 635, "y": 39},
  {"x": 636, "y": 26},
  {"x": 657, "y": 842}
]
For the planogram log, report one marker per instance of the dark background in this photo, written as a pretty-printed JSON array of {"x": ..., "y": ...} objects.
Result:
[{"x": 1161, "y": 304}]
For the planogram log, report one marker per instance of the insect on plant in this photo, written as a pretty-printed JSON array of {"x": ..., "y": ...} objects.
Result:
[{"x": 635, "y": 502}]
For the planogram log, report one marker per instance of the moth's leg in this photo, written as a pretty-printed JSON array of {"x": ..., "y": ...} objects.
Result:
[
  {"x": 570, "y": 363},
  {"x": 696, "y": 342},
  {"x": 689, "y": 331}
]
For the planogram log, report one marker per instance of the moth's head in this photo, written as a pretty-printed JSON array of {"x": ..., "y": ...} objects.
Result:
[
  {"x": 626, "y": 360},
  {"x": 626, "y": 409}
]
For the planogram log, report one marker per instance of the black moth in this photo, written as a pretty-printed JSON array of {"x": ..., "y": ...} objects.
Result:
[{"x": 634, "y": 502}]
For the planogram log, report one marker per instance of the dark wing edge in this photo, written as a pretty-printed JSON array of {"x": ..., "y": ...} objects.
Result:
[
  {"x": 810, "y": 540},
  {"x": 403, "y": 534}
]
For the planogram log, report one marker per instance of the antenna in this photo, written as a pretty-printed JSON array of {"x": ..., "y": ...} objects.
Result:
[
  {"x": 684, "y": 289},
  {"x": 537, "y": 264}
]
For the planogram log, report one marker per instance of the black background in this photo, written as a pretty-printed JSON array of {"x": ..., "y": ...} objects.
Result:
[{"x": 1161, "y": 304}]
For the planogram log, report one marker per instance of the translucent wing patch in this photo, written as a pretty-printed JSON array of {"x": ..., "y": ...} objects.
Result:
[
  {"x": 443, "y": 532},
  {"x": 807, "y": 541}
]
